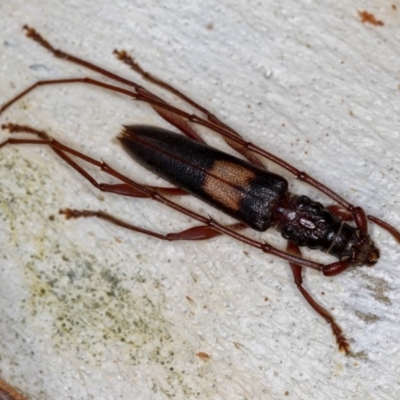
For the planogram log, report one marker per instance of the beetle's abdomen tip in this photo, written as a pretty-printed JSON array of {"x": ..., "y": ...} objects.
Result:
[
  {"x": 129, "y": 131},
  {"x": 124, "y": 134}
]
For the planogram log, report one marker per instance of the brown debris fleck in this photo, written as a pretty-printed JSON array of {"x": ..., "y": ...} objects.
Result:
[
  {"x": 203, "y": 356},
  {"x": 369, "y": 18}
]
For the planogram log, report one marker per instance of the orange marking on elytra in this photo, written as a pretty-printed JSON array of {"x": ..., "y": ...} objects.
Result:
[{"x": 226, "y": 183}]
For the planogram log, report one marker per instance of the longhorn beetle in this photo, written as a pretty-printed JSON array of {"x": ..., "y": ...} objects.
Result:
[{"x": 243, "y": 189}]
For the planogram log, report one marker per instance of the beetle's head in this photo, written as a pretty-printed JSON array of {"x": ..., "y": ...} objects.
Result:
[{"x": 363, "y": 250}]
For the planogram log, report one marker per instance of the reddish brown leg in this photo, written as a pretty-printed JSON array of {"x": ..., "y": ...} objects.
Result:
[
  {"x": 196, "y": 233},
  {"x": 395, "y": 233},
  {"x": 346, "y": 211},
  {"x": 172, "y": 114},
  {"x": 181, "y": 124},
  {"x": 149, "y": 192},
  {"x": 245, "y": 148},
  {"x": 120, "y": 188},
  {"x": 211, "y": 122},
  {"x": 347, "y": 216},
  {"x": 298, "y": 279},
  {"x": 340, "y": 212},
  {"x": 357, "y": 215},
  {"x": 7, "y": 392}
]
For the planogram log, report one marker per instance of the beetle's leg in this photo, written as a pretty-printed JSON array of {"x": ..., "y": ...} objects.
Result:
[
  {"x": 83, "y": 80},
  {"x": 356, "y": 214},
  {"x": 298, "y": 279},
  {"x": 346, "y": 211},
  {"x": 61, "y": 150},
  {"x": 346, "y": 215},
  {"x": 181, "y": 123},
  {"x": 335, "y": 268},
  {"x": 179, "y": 117},
  {"x": 173, "y": 115},
  {"x": 38, "y": 38},
  {"x": 7, "y": 392},
  {"x": 211, "y": 122},
  {"x": 196, "y": 233},
  {"x": 174, "y": 119},
  {"x": 340, "y": 212},
  {"x": 149, "y": 192},
  {"x": 392, "y": 230}
]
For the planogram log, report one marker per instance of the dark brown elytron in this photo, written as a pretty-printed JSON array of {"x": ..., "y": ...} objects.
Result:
[{"x": 242, "y": 188}]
